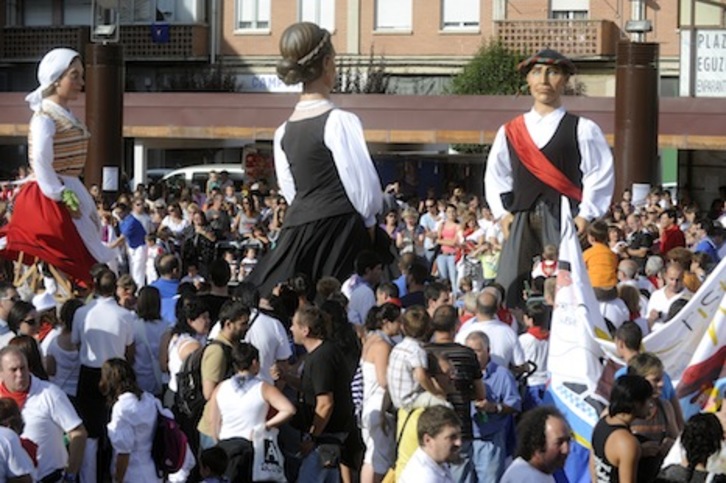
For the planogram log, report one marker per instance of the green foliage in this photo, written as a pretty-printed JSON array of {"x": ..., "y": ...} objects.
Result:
[{"x": 492, "y": 71}]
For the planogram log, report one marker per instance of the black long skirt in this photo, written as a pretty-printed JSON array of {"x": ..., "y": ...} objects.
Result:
[{"x": 325, "y": 247}]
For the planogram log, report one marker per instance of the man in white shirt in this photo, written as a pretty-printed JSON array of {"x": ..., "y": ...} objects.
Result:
[
  {"x": 662, "y": 299},
  {"x": 506, "y": 350},
  {"x": 48, "y": 416},
  {"x": 537, "y": 158},
  {"x": 544, "y": 444},
  {"x": 439, "y": 439},
  {"x": 359, "y": 286},
  {"x": 430, "y": 222},
  {"x": 102, "y": 330}
]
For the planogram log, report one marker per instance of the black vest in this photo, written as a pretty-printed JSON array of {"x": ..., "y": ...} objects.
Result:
[
  {"x": 563, "y": 151},
  {"x": 319, "y": 193}
]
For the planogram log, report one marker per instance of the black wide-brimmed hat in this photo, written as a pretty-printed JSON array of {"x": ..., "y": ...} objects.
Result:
[{"x": 547, "y": 57}]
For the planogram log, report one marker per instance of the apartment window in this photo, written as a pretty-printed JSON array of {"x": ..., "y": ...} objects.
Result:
[
  {"x": 321, "y": 12},
  {"x": 460, "y": 14},
  {"x": 38, "y": 13},
  {"x": 569, "y": 15},
  {"x": 570, "y": 9},
  {"x": 77, "y": 12},
  {"x": 253, "y": 15},
  {"x": 393, "y": 14}
]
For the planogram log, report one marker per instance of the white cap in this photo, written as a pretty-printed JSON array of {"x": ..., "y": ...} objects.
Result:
[
  {"x": 44, "y": 301},
  {"x": 50, "y": 69}
]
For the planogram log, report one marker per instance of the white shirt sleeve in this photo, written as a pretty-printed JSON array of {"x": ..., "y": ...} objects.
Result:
[
  {"x": 63, "y": 413},
  {"x": 344, "y": 137},
  {"x": 598, "y": 176},
  {"x": 282, "y": 168},
  {"x": 120, "y": 430},
  {"x": 16, "y": 461},
  {"x": 42, "y": 130},
  {"x": 498, "y": 177}
]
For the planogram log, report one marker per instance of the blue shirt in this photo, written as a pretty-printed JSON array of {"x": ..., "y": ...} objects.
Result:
[
  {"x": 168, "y": 293},
  {"x": 133, "y": 230},
  {"x": 501, "y": 388},
  {"x": 708, "y": 247},
  {"x": 666, "y": 394},
  {"x": 400, "y": 282}
]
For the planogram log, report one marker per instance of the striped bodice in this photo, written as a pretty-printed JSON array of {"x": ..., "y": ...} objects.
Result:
[{"x": 70, "y": 143}]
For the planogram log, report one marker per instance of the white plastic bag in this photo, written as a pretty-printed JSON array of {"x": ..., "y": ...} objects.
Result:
[{"x": 269, "y": 464}]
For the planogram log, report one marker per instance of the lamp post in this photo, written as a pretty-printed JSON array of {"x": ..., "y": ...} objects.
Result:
[
  {"x": 104, "y": 98},
  {"x": 636, "y": 105}
]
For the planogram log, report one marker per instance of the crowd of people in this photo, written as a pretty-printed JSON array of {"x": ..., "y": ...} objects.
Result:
[{"x": 360, "y": 334}]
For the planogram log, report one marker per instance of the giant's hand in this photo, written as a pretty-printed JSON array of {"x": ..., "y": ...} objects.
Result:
[
  {"x": 581, "y": 224},
  {"x": 506, "y": 224}
]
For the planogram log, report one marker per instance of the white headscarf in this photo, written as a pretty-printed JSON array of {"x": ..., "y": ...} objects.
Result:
[{"x": 50, "y": 69}]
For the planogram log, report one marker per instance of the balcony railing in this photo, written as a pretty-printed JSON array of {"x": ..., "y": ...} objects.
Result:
[
  {"x": 573, "y": 38},
  {"x": 185, "y": 42}
]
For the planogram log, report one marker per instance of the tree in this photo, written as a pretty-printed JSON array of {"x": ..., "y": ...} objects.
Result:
[
  {"x": 493, "y": 72},
  {"x": 363, "y": 76}
]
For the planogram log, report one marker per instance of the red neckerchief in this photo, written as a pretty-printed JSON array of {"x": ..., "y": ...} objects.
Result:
[
  {"x": 536, "y": 162},
  {"x": 549, "y": 267},
  {"x": 635, "y": 315},
  {"x": 539, "y": 333},
  {"x": 18, "y": 397},
  {"x": 44, "y": 330}
]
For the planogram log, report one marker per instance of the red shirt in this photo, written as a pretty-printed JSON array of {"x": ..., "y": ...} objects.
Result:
[{"x": 671, "y": 237}]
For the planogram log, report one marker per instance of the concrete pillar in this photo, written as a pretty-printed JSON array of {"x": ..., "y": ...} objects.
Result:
[
  {"x": 140, "y": 163},
  {"x": 636, "y": 115},
  {"x": 353, "y": 28},
  {"x": 104, "y": 113}
]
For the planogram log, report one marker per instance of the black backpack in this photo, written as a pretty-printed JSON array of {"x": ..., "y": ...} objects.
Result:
[{"x": 189, "y": 395}]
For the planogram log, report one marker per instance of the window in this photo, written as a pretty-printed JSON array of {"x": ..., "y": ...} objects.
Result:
[
  {"x": 253, "y": 15},
  {"x": 460, "y": 14},
  {"x": 39, "y": 13},
  {"x": 393, "y": 14},
  {"x": 570, "y": 9},
  {"x": 321, "y": 12},
  {"x": 569, "y": 15},
  {"x": 77, "y": 12},
  {"x": 137, "y": 11}
]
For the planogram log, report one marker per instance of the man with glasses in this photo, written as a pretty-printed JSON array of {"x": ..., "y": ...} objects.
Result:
[
  {"x": 8, "y": 297},
  {"x": 536, "y": 159}
]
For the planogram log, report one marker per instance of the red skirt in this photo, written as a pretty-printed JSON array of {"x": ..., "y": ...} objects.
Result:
[{"x": 43, "y": 228}]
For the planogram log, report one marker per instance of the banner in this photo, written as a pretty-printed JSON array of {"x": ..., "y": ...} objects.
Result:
[{"x": 574, "y": 360}]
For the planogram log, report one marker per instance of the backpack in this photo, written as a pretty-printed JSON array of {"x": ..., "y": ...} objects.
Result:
[
  {"x": 189, "y": 395},
  {"x": 169, "y": 447}
]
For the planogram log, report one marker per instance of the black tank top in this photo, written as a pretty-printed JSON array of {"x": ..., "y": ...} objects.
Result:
[{"x": 605, "y": 471}]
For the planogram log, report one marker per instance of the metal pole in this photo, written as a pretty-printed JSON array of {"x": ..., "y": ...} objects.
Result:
[
  {"x": 636, "y": 115},
  {"x": 104, "y": 112}
]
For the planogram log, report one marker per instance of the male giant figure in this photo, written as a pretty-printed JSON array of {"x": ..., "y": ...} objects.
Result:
[{"x": 535, "y": 159}]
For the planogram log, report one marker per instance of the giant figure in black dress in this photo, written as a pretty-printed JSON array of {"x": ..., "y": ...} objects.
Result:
[{"x": 323, "y": 169}]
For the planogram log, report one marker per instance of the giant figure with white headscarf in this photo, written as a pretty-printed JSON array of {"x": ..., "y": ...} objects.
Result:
[{"x": 54, "y": 217}]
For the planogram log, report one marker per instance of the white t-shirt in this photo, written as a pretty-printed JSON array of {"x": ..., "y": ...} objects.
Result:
[
  {"x": 270, "y": 338},
  {"x": 661, "y": 303},
  {"x": 67, "y": 368},
  {"x": 131, "y": 431},
  {"x": 521, "y": 471},
  {"x": 103, "y": 329},
  {"x": 14, "y": 460},
  {"x": 421, "y": 468},
  {"x": 535, "y": 350},
  {"x": 504, "y": 344},
  {"x": 48, "y": 415},
  {"x": 242, "y": 408}
]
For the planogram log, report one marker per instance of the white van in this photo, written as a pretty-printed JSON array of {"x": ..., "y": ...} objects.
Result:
[{"x": 199, "y": 174}]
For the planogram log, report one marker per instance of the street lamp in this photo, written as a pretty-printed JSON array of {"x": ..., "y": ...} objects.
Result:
[{"x": 105, "y": 21}]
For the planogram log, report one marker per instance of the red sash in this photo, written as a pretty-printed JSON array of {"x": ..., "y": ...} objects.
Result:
[{"x": 536, "y": 162}]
